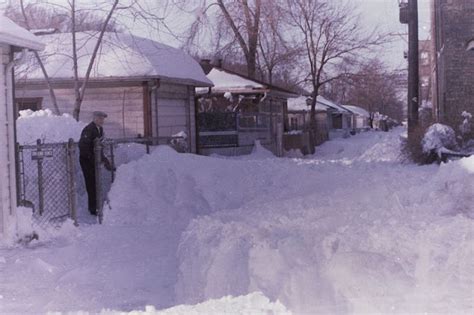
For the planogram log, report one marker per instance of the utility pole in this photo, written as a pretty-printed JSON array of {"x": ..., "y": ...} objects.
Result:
[
  {"x": 409, "y": 15},
  {"x": 413, "y": 77}
]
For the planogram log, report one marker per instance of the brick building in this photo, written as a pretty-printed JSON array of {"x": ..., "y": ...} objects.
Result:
[
  {"x": 452, "y": 63},
  {"x": 425, "y": 69}
]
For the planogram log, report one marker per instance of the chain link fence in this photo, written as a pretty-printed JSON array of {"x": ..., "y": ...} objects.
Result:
[
  {"x": 46, "y": 181},
  {"x": 50, "y": 180}
]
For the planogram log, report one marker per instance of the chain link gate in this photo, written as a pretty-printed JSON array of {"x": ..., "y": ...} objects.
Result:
[{"x": 47, "y": 181}]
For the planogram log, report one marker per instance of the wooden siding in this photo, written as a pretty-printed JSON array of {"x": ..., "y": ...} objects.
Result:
[
  {"x": 147, "y": 108},
  {"x": 123, "y": 105}
]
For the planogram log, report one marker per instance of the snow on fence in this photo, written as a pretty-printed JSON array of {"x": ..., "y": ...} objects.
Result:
[{"x": 49, "y": 175}]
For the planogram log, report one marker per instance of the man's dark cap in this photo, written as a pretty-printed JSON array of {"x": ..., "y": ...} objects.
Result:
[{"x": 99, "y": 114}]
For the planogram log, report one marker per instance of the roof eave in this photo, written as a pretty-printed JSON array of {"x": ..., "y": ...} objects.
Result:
[{"x": 181, "y": 81}]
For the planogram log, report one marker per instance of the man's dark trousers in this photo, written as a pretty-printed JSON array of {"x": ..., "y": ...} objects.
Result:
[{"x": 88, "y": 169}]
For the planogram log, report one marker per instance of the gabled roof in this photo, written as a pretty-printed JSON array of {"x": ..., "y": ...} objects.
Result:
[
  {"x": 331, "y": 104},
  {"x": 14, "y": 35},
  {"x": 357, "y": 110},
  {"x": 120, "y": 56},
  {"x": 228, "y": 81}
]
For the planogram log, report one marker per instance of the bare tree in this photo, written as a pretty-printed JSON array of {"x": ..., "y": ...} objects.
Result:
[
  {"x": 274, "y": 49},
  {"x": 95, "y": 20},
  {"x": 245, "y": 30},
  {"x": 27, "y": 25},
  {"x": 242, "y": 18},
  {"x": 374, "y": 88},
  {"x": 80, "y": 89},
  {"x": 329, "y": 32}
]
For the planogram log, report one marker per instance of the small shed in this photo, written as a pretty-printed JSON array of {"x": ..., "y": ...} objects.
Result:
[
  {"x": 237, "y": 111},
  {"x": 339, "y": 118},
  {"x": 360, "y": 117},
  {"x": 298, "y": 118},
  {"x": 13, "y": 40},
  {"x": 147, "y": 88},
  {"x": 332, "y": 120}
]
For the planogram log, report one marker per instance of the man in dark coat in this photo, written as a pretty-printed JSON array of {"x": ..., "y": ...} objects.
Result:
[{"x": 92, "y": 131}]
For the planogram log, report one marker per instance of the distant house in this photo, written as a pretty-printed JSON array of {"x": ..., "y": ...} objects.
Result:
[
  {"x": 360, "y": 117},
  {"x": 237, "y": 111},
  {"x": 146, "y": 88},
  {"x": 332, "y": 120},
  {"x": 13, "y": 39},
  {"x": 298, "y": 119}
]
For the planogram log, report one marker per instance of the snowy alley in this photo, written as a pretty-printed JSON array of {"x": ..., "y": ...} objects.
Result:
[{"x": 352, "y": 229}]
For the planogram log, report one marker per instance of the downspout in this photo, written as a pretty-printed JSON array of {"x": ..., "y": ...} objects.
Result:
[{"x": 11, "y": 96}]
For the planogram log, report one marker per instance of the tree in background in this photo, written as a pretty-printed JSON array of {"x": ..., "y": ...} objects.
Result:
[
  {"x": 276, "y": 54},
  {"x": 250, "y": 32},
  {"x": 95, "y": 19},
  {"x": 329, "y": 33},
  {"x": 374, "y": 88}
]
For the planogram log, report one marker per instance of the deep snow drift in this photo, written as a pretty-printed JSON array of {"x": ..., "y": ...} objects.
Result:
[{"x": 351, "y": 229}]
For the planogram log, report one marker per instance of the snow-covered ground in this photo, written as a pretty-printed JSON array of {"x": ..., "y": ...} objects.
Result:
[{"x": 352, "y": 229}]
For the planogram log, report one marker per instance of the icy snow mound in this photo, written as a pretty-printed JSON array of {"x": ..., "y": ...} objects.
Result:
[
  {"x": 166, "y": 185},
  {"x": 381, "y": 252},
  {"x": 44, "y": 125},
  {"x": 438, "y": 136},
  {"x": 453, "y": 188},
  {"x": 251, "y": 304}
]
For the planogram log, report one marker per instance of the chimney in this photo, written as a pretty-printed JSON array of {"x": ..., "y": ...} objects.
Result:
[
  {"x": 206, "y": 65},
  {"x": 217, "y": 61}
]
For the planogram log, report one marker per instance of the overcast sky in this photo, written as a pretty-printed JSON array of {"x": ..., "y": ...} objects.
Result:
[
  {"x": 374, "y": 13},
  {"x": 385, "y": 14}
]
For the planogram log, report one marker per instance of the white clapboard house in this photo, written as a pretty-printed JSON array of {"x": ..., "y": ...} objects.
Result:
[{"x": 14, "y": 41}]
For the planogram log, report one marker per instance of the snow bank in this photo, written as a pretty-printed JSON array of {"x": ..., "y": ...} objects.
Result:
[
  {"x": 252, "y": 304},
  {"x": 44, "y": 125},
  {"x": 390, "y": 251}
]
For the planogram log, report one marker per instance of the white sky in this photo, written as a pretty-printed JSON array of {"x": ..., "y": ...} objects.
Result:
[{"x": 380, "y": 13}]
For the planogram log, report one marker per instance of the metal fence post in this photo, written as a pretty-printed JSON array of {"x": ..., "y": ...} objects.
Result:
[
  {"x": 71, "y": 159},
  {"x": 112, "y": 161},
  {"x": 40, "y": 177},
  {"x": 98, "y": 182},
  {"x": 147, "y": 143}
]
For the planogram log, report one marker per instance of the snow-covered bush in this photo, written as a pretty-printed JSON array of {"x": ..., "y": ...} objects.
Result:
[
  {"x": 466, "y": 130},
  {"x": 465, "y": 126},
  {"x": 437, "y": 137}
]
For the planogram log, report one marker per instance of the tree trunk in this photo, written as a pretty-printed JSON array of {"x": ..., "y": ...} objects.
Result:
[
  {"x": 80, "y": 89},
  {"x": 52, "y": 95}
]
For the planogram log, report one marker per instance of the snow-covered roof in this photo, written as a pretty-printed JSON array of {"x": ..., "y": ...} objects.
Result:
[
  {"x": 322, "y": 103},
  {"x": 357, "y": 110},
  {"x": 228, "y": 81},
  {"x": 14, "y": 35},
  {"x": 299, "y": 104},
  {"x": 120, "y": 56},
  {"x": 225, "y": 80},
  {"x": 331, "y": 104}
]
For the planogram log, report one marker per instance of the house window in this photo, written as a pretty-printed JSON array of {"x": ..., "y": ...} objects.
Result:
[{"x": 32, "y": 103}]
